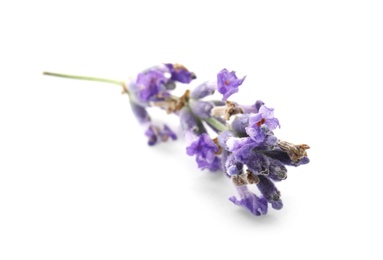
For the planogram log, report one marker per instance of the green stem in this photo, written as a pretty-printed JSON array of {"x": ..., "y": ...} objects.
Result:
[
  {"x": 116, "y": 82},
  {"x": 216, "y": 124}
]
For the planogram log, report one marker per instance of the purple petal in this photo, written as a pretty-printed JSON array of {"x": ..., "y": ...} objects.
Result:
[
  {"x": 203, "y": 147},
  {"x": 272, "y": 123},
  {"x": 215, "y": 165},
  {"x": 254, "y": 120},
  {"x": 228, "y": 83},
  {"x": 266, "y": 112},
  {"x": 255, "y": 134},
  {"x": 150, "y": 84},
  {"x": 234, "y": 144},
  {"x": 250, "y": 201},
  {"x": 180, "y": 73},
  {"x": 261, "y": 124}
]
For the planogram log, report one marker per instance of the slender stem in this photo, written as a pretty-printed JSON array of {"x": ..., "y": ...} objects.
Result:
[
  {"x": 116, "y": 82},
  {"x": 211, "y": 121},
  {"x": 215, "y": 123}
]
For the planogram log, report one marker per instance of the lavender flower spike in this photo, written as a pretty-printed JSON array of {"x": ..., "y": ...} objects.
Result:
[
  {"x": 219, "y": 134},
  {"x": 228, "y": 83}
]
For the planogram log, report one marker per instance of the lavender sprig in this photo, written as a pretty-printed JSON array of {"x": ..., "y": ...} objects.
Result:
[{"x": 244, "y": 146}]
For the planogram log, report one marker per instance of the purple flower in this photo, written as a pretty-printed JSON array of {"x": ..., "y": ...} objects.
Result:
[
  {"x": 263, "y": 137},
  {"x": 154, "y": 134},
  {"x": 150, "y": 85},
  {"x": 204, "y": 149},
  {"x": 239, "y": 145},
  {"x": 180, "y": 73},
  {"x": 261, "y": 123},
  {"x": 228, "y": 83},
  {"x": 215, "y": 165},
  {"x": 243, "y": 152},
  {"x": 250, "y": 201}
]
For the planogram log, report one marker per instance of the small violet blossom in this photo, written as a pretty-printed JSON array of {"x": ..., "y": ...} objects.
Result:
[
  {"x": 256, "y": 205},
  {"x": 154, "y": 134},
  {"x": 228, "y": 83},
  {"x": 180, "y": 73},
  {"x": 205, "y": 151},
  {"x": 151, "y": 84},
  {"x": 154, "y": 83},
  {"x": 256, "y": 129}
]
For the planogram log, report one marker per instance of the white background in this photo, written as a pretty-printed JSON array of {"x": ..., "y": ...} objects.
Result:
[{"x": 77, "y": 180}]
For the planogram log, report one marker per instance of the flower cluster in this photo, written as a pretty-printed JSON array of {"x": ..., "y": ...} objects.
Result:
[{"x": 243, "y": 145}]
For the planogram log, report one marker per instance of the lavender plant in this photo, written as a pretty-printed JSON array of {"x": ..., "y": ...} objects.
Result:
[{"x": 243, "y": 145}]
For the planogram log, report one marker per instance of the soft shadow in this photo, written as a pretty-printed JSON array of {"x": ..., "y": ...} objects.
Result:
[
  {"x": 214, "y": 187},
  {"x": 217, "y": 188},
  {"x": 244, "y": 215}
]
